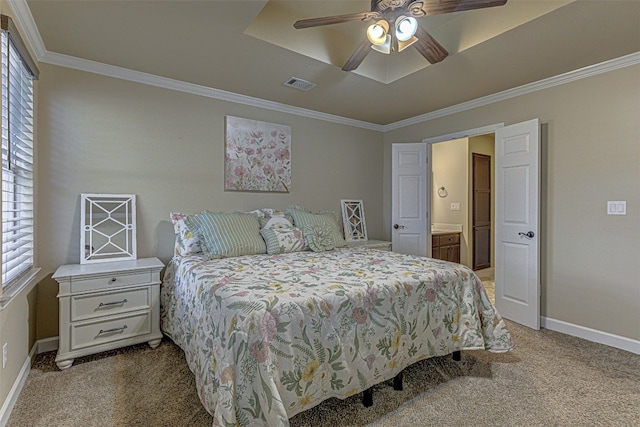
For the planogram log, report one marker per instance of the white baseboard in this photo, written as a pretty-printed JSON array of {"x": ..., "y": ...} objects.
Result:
[
  {"x": 589, "y": 334},
  {"x": 47, "y": 344},
  {"x": 12, "y": 397},
  {"x": 40, "y": 346}
]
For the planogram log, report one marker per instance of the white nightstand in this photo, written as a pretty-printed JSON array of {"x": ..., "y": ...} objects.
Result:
[
  {"x": 107, "y": 305},
  {"x": 374, "y": 244}
]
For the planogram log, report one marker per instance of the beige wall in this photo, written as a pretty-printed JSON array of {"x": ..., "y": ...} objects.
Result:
[{"x": 590, "y": 265}]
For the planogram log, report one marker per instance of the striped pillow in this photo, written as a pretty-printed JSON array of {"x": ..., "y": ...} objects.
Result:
[
  {"x": 229, "y": 234},
  {"x": 303, "y": 217},
  {"x": 281, "y": 240}
]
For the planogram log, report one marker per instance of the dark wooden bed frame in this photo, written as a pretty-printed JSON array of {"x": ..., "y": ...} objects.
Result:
[{"x": 367, "y": 395}]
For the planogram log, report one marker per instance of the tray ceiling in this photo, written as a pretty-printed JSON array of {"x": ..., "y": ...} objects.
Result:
[{"x": 249, "y": 47}]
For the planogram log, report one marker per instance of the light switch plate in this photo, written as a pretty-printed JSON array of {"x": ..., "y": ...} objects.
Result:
[
  {"x": 455, "y": 206},
  {"x": 617, "y": 207}
]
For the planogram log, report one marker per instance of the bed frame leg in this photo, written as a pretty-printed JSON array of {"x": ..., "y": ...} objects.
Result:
[
  {"x": 397, "y": 382},
  {"x": 367, "y": 397},
  {"x": 457, "y": 355}
]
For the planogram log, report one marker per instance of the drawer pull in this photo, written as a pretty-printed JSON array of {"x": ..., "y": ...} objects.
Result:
[
  {"x": 113, "y": 279},
  {"x": 106, "y": 304},
  {"x": 111, "y": 331}
]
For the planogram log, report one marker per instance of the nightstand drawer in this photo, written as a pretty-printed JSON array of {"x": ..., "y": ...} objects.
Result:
[
  {"x": 97, "y": 305},
  {"x": 109, "y": 281},
  {"x": 96, "y": 333}
]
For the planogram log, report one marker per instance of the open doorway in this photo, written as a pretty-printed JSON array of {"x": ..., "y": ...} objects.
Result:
[
  {"x": 517, "y": 210},
  {"x": 462, "y": 213}
]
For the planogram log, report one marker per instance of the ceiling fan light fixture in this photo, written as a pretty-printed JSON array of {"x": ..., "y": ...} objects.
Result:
[
  {"x": 377, "y": 33},
  {"x": 406, "y": 27},
  {"x": 384, "y": 47},
  {"x": 403, "y": 45}
]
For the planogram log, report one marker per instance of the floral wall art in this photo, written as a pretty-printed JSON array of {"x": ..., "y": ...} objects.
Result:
[{"x": 258, "y": 156}]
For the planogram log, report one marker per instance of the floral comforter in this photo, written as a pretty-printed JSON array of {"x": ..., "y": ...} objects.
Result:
[{"x": 270, "y": 336}]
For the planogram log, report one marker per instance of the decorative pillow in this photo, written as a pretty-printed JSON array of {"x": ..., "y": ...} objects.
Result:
[
  {"x": 187, "y": 242},
  {"x": 303, "y": 217},
  {"x": 282, "y": 240},
  {"x": 228, "y": 234},
  {"x": 320, "y": 238},
  {"x": 259, "y": 213},
  {"x": 276, "y": 222},
  {"x": 269, "y": 212}
]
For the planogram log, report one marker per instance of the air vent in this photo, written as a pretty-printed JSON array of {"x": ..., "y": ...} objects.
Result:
[{"x": 297, "y": 83}]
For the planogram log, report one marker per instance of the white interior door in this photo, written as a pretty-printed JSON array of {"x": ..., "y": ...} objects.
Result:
[
  {"x": 409, "y": 194},
  {"x": 517, "y": 271}
]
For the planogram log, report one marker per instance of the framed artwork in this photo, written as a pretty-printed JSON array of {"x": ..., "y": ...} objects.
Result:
[
  {"x": 353, "y": 221},
  {"x": 258, "y": 156},
  {"x": 108, "y": 223}
]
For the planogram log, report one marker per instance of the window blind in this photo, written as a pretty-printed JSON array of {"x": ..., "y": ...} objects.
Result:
[{"x": 17, "y": 161}]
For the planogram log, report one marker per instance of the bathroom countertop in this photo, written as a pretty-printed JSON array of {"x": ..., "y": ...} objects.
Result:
[
  {"x": 441, "y": 228},
  {"x": 438, "y": 232}
]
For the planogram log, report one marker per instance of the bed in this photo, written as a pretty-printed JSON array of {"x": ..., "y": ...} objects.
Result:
[{"x": 268, "y": 336}]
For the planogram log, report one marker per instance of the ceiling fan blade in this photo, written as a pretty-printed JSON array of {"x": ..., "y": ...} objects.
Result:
[
  {"x": 336, "y": 19},
  {"x": 429, "y": 47},
  {"x": 358, "y": 56},
  {"x": 437, "y": 7}
]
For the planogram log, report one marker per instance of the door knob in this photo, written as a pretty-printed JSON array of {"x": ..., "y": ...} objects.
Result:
[
  {"x": 398, "y": 227},
  {"x": 528, "y": 234}
]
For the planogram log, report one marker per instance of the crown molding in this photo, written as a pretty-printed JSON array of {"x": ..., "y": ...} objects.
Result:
[
  {"x": 29, "y": 30},
  {"x": 23, "y": 16},
  {"x": 166, "y": 83},
  {"x": 194, "y": 89},
  {"x": 571, "y": 76}
]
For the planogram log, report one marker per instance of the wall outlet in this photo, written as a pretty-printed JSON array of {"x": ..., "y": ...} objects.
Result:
[
  {"x": 455, "y": 206},
  {"x": 5, "y": 351}
]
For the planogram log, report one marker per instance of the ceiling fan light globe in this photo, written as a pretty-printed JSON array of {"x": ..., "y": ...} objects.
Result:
[
  {"x": 384, "y": 47},
  {"x": 377, "y": 33},
  {"x": 406, "y": 27}
]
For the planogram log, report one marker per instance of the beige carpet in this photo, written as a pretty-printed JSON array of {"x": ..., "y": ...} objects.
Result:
[{"x": 550, "y": 379}]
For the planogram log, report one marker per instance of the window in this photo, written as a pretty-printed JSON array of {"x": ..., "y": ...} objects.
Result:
[{"x": 18, "y": 73}]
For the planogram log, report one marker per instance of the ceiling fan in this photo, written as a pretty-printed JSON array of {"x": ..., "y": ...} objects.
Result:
[{"x": 396, "y": 27}]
